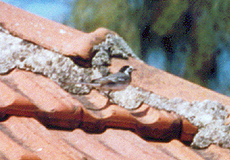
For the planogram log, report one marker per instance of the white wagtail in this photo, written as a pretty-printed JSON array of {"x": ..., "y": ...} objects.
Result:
[{"x": 113, "y": 82}]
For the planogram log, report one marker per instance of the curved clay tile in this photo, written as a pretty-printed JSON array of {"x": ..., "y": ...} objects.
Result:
[
  {"x": 28, "y": 94},
  {"x": 49, "y": 34}
]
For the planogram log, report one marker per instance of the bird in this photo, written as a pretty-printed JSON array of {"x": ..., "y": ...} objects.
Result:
[{"x": 113, "y": 82}]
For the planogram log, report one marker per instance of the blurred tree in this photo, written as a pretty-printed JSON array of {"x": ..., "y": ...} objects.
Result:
[
  {"x": 211, "y": 17},
  {"x": 121, "y": 16},
  {"x": 166, "y": 23},
  {"x": 203, "y": 23},
  {"x": 170, "y": 14}
]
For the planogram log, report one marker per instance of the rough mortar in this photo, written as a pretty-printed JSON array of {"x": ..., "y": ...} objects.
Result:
[
  {"x": 133, "y": 98},
  {"x": 208, "y": 115},
  {"x": 17, "y": 53},
  {"x": 113, "y": 46}
]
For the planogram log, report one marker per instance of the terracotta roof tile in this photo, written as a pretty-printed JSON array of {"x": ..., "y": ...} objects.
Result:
[
  {"x": 26, "y": 84},
  {"x": 167, "y": 85},
  {"x": 49, "y": 34},
  {"x": 26, "y": 94}
]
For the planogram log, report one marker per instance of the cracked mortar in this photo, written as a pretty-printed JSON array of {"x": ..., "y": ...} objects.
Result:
[{"x": 208, "y": 116}]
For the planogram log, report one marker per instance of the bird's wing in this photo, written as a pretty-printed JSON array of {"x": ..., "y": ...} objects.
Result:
[{"x": 113, "y": 78}]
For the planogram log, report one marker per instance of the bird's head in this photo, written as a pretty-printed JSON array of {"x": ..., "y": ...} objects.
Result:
[{"x": 127, "y": 69}]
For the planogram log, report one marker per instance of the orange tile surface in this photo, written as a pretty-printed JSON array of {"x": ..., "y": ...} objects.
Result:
[{"x": 36, "y": 104}]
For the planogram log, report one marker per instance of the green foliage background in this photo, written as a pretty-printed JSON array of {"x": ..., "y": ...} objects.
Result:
[
  {"x": 211, "y": 24},
  {"x": 117, "y": 15}
]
